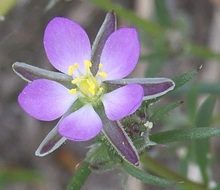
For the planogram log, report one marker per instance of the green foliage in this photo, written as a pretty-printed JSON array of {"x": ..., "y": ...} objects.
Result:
[
  {"x": 157, "y": 30},
  {"x": 192, "y": 103},
  {"x": 203, "y": 120},
  {"x": 152, "y": 28},
  {"x": 162, "y": 111},
  {"x": 187, "y": 134},
  {"x": 101, "y": 158},
  {"x": 163, "y": 171},
  {"x": 184, "y": 78},
  {"x": 8, "y": 176},
  {"x": 204, "y": 114},
  {"x": 194, "y": 134},
  {"x": 145, "y": 177}
]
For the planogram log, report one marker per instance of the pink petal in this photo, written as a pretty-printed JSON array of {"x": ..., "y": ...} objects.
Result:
[
  {"x": 66, "y": 43},
  {"x": 45, "y": 100},
  {"x": 81, "y": 125},
  {"x": 123, "y": 101},
  {"x": 120, "y": 54}
]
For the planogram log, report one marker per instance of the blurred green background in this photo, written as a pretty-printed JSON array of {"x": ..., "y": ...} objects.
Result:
[{"x": 177, "y": 36}]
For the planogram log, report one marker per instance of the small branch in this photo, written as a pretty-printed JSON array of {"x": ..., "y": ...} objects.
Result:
[{"x": 79, "y": 177}]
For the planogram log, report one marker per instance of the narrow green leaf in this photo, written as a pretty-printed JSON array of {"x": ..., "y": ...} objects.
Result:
[
  {"x": 209, "y": 88},
  {"x": 152, "y": 28},
  {"x": 184, "y": 134},
  {"x": 184, "y": 78},
  {"x": 204, "y": 116},
  {"x": 163, "y": 171},
  {"x": 203, "y": 119},
  {"x": 79, "y": 177},
  {"x": 203, "y": 88},
  {"x": 192, "y": 102},
  {"x": 160, "y": 112},
  {"x": 145, "y": 177}
]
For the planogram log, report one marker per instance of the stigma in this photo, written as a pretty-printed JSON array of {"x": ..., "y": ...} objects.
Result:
[{"x": 85, "y": 84}]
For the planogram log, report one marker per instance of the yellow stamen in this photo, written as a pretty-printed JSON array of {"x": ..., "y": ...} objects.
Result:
[
  {"x": 101, "y": 89},
  {"x": 87, "y": 64},
  {"x": 85, "y": 83},
  {"x": 100, "y": 66},
  {"x": 73, "y": 91},
  {"x": 72, "y": 68},
  {"x": 88, "y": 86},
  {"x": 75, "y": 81},
  {"x": 102, "y": 74}
]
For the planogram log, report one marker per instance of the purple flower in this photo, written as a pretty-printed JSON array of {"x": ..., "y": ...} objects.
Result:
[
  {"x": 69, "y": 51},
  {"x": 97, "y": 94}
]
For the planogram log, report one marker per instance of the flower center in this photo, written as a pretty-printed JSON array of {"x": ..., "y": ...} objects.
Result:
[{"x": 87, "y": 85}]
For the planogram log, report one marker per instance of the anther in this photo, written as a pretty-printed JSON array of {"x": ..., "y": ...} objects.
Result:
[
  {"x": 100, "y": 66},
  {"x": 75, "y": 81},
  {"x": 73, "y": 91},
  {"x": 72, "y": 68},
  {"x": 102, "y": 74},
  {"x": 87, "y": 64}
]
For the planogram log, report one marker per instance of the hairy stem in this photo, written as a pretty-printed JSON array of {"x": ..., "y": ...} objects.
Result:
[{"x": 79, "y": 177}]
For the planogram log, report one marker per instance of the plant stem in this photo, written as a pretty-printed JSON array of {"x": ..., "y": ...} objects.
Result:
[
  {"x": 161, "y": 170},
  {"x": 79, "y": 177}
]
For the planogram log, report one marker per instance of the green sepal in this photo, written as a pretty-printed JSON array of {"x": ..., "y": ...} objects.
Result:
[
  {"x": 30, "y": 73},
  {"x": 108, "y": 27},
  {"x": 118, "y": 138},
  {"x": 101, "y": 157}
]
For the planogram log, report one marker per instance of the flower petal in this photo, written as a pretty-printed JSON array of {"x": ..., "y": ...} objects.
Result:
[
  {"x": 66, "y": 43},
  {"x": 123, "y": 101},
  {"x": 120, "y": 54},
  {"x": 81, "y": 125},
  {"x": 45, "y": 99}
]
